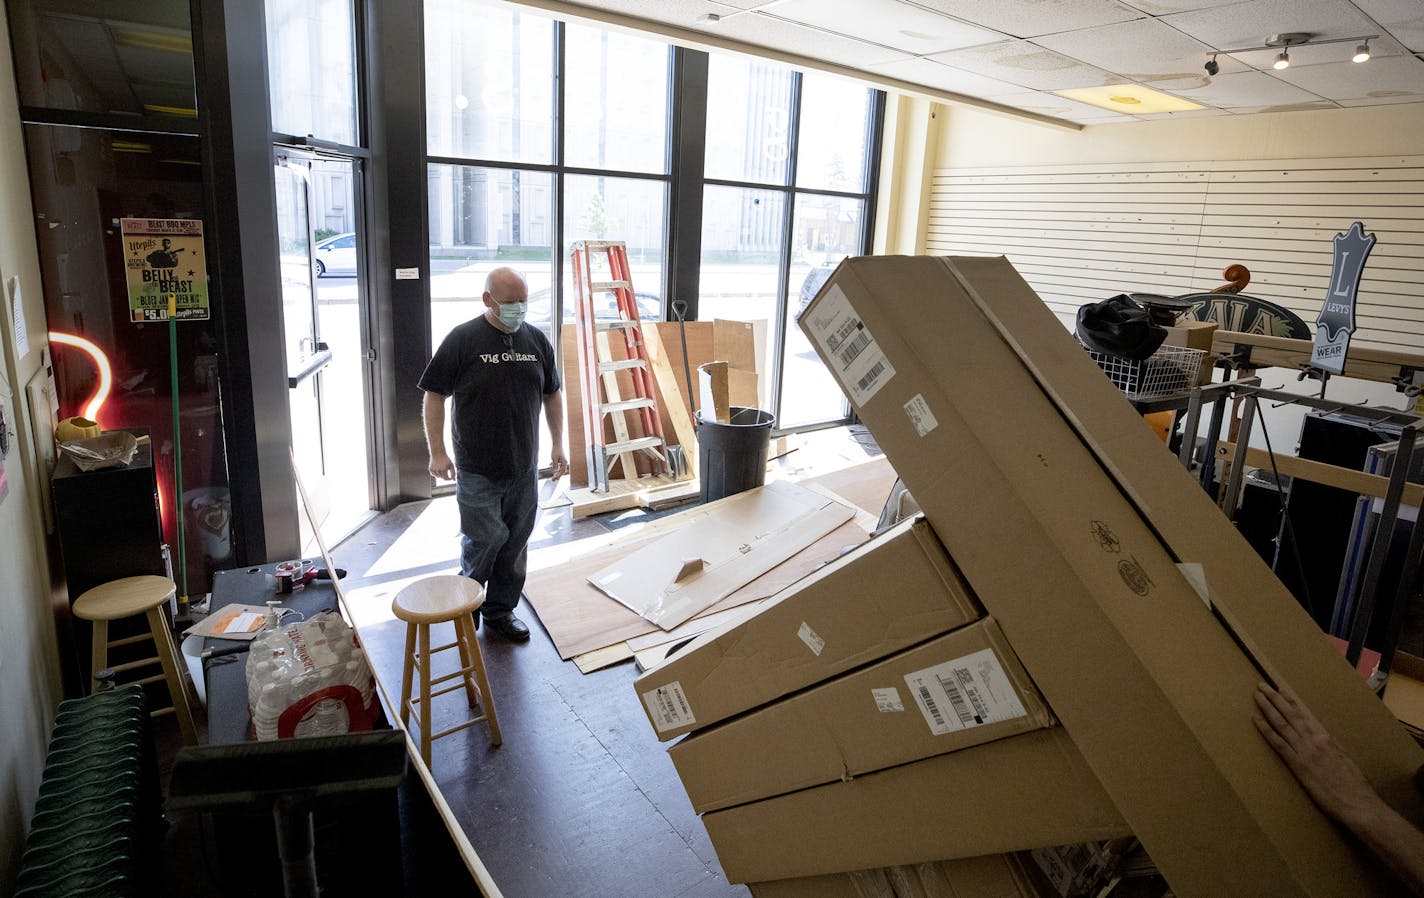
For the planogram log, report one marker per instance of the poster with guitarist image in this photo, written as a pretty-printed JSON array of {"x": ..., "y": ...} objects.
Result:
[{"x": 163, "y": 258}]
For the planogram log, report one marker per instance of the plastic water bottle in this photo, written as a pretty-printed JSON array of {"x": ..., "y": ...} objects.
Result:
[{"x": 269, "y": 708}]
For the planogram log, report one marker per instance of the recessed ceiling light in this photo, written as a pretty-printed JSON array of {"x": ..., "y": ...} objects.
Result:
[{"x": 1130, "y": 99}]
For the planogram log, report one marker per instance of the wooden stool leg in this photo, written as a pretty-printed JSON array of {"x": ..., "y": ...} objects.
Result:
[
  {"x": 99, "y": 659},
  {"x": 464, "y": 635},
  {"x": 425, "y": 693},
  {"x": 478, "y": 658},
  {"x": 405, "y": 675},
  {"x": 173, "y": 672}
]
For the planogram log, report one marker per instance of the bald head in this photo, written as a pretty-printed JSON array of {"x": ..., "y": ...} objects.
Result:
[{"x": 506, "y": 285}]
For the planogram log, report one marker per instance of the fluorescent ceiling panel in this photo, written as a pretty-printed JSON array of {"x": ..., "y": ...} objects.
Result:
[
  {"x": 1028, "y": 65},
  {"x": 1030, "y": 18},
  {"x": 886, "y": 22},
  {"x": 1129, "y": 99},
  {"x": 933, "y": 74},
  {"x": 1249, "y": 24},
  {"x": 1379, "y": 78},
  {"x": 1144, "y": 50},
  {"x": 1248, "y": 89}
]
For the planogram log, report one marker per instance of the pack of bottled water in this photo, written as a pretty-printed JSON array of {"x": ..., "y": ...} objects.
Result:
[{"x": 309, "y": 679}]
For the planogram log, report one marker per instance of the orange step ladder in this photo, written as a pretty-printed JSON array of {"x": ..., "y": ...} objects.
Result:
[{"x": 601, "y": 267}]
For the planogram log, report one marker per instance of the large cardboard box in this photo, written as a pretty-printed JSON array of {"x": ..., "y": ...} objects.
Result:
[
  {"x": 961, "y": 689},
  {"x": 994, "y": 876},
  {"x": 894, "y": 591},
  {"x": 1011, "y": 795},
  {"x": 1068, "y": 519}
]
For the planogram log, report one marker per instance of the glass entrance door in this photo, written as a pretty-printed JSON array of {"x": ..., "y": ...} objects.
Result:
[{"x": 318, "y": 229}]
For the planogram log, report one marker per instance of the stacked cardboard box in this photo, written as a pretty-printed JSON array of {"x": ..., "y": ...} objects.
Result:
[
  {"x": 1072, "y": 525},
  {"x": 993, "y": 876},
  {"x": 1069, "y": 521}
]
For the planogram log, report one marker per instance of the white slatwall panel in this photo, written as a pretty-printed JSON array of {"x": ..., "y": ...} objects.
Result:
[{"x": 1083, "y": 233}]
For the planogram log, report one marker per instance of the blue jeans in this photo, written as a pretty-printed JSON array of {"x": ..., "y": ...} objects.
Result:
[{"x": 496, "y": 518}]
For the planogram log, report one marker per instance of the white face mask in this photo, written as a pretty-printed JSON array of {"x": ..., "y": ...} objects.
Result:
[{"x": 511, "y": 314}]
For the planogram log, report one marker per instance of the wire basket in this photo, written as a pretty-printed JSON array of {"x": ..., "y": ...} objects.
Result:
[{"x": 1168, "y": 371}]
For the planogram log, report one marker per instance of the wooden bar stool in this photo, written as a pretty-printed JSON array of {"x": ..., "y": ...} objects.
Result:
[
  {"x": 437, "y": 600},
  {"x": 130, "y": 597}
]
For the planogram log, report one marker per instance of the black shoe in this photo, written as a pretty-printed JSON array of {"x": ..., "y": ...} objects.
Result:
[{"x": 507, "y": 626}]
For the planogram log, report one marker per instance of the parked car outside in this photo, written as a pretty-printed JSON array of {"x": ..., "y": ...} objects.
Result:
[{"x": 336, "y": 255}]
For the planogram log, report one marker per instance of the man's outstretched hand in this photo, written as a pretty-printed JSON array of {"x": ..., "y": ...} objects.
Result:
[{"x": 1330, "y": 778}]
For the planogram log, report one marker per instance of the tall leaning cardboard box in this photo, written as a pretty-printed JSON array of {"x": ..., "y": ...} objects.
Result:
[{"x": 1069, "y": 524}]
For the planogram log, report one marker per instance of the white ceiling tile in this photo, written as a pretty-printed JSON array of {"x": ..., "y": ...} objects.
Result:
[
  {"x": 1391, "y": 77},
  {"x": 1384, "y": 101},
  {"x": 1249, "y": 24},
  {"x": 890, "y": 23},
  {"x": 1246, "y": 89},
  {"x": 1030, "y": 18},
  {"x": 1402, "y": 18},
  {"x": 929, "y": 73},
  {"x": 788, "y": 37},
  {"x": 1167, "y": 7},
  {"x": 1058, "y": 107},
  {"x": 1144, "y": 50},
  {"x": 1320, "y": 54},
  {"x": 1286, "y": 107},
  {"x": 674, "y": 12},
  {"x": 1026, "y": 64}
]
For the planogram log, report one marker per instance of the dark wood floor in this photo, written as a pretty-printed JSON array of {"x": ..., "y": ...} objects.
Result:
[{"x": 581, "y": 799}]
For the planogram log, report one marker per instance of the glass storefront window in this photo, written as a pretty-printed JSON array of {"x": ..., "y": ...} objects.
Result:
[
  {"x": 825, "y": 230},
  {"x": 832, "y": 145},
  {"x": 129, "y": 58},
  {"x": 84, "y": 182},
  {"x": 616, "y": 101},
  {"x": 742, "y": 230},
  {"x": 627, "y": 209},
  {"x": 311, "y": 68},
  {"x": 748, "y": 120},
  {"x": 489, "y": 83}
]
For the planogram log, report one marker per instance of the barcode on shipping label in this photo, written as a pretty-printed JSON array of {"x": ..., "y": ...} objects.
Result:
[
  {"x": 812, "y": 639},
  {"x": 920, "y": 415},
  {"x": 964, "y": 693},
  {"x": 887, "y": 700},
  {"x": 847, "y": 344},
  {"x": 668, "y": 707}
]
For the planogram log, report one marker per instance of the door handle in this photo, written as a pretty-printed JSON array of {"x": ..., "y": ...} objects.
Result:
[{"x": 319, "y": 360}]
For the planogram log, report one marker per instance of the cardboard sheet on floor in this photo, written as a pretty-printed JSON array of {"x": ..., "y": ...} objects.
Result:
[
  {"x": 581, "y": 619},
  {"x": 691, "y": 569}
]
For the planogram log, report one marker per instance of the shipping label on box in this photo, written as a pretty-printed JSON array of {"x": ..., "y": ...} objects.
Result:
[{"x": 960, "y": 689}]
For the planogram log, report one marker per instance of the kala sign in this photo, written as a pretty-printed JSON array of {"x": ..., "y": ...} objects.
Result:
[{"x": 1336, "y": 321}]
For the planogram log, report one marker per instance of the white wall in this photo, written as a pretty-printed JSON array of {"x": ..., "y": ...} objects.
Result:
[
  {"x": 969, "y": 143},
  {"x": 29, "y": 669}
]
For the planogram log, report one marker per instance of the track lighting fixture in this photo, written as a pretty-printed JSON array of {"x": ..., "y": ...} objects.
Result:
[{"x": 1288, "y": 39}]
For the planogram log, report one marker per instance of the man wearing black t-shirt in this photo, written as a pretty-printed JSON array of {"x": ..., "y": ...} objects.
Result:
[{"x": 499, "y": 373}]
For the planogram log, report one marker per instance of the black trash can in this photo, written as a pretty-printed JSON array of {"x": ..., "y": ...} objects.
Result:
[{"x": 732, "y": 457}]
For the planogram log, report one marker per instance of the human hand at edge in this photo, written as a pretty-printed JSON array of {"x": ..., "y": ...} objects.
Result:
[
  {"x": 441, "y": 467},
  {"x": 558, "y": 463},
  {"x": 1329, "y": 777}
]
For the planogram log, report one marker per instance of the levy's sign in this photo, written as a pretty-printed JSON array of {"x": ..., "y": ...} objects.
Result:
[
  {"x": 163, "y": 258},
  {"x": 1336, "y": 321}
]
